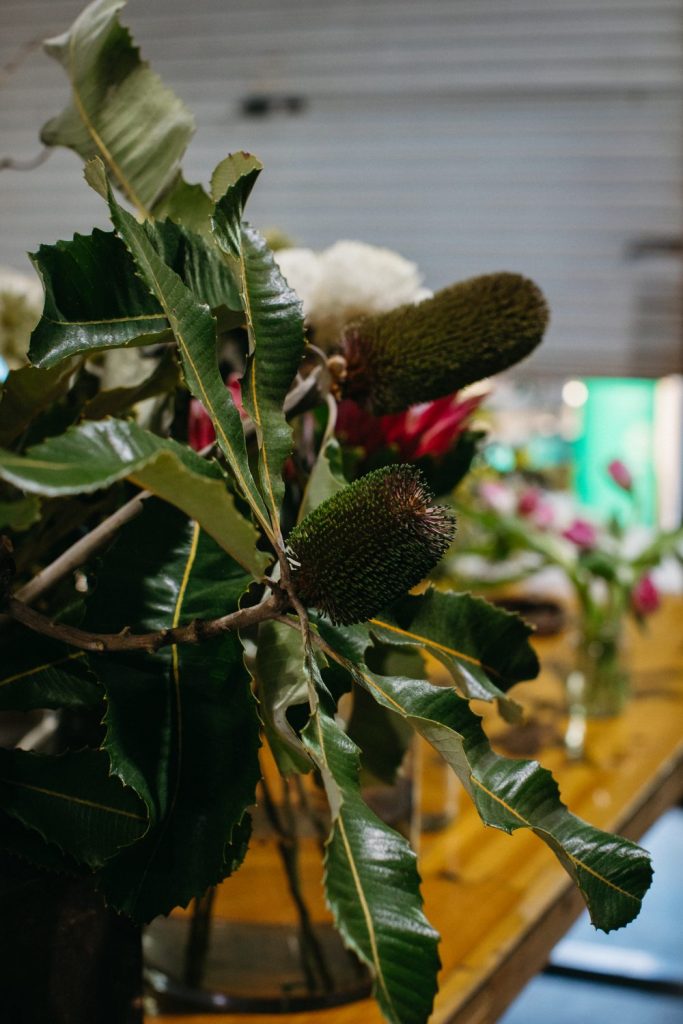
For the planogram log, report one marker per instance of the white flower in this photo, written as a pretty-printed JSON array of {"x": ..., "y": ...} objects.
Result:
[
  {"x": 349, "y": 280},
  {"x": 21, "y": 303}
]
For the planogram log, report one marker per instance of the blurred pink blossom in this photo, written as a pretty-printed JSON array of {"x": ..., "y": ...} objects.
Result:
[
  {"x": 544, "y": 515},
  {"x": 497, "y": 496},
  {"x": 621, "y": 474},
  {"x": 645, "y": 597},
  {"x": 582, "y": 533}
]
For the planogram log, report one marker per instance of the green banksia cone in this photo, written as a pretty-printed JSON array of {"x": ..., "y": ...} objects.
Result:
[
  {"x": 367, "y": 545},
  {"x": 464, "y": 333}
]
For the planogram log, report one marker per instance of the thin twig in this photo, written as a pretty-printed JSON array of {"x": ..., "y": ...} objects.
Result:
[
  {"x": 79, "y": 553},
  {"x": 10, "y": 163},
  {"x": 193, "y": 633}
]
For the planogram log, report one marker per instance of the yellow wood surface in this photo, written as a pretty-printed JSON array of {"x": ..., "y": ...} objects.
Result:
[{"x": 501, "y": 902}]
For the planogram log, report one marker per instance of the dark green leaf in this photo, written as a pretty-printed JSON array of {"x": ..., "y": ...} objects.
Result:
[
  {"x": 612, "y": 873},
  {"x": 195, "y": 331},
  {"x": 182, "y": 728},
  {"x": 28, "y": 392},
  {"x": 94, "y": 299},
  {"x": 485, "y": 649},
  {"x": 27, "y": 845},
  {"x": 372, "y": 884},
  {"x": 72, "y": 801},
  {"x": 274, "y": 320},
  {"x": 40, "y": 673},
  {"x": 96, "y": 454}
]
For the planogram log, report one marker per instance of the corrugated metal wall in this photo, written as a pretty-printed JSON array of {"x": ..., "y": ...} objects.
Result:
[{"x": 544, "y": 136}]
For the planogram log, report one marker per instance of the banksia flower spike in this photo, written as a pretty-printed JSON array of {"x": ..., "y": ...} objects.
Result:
[
  {"x": 367, "y": 545},
  {"x": 466, "y": 332}
]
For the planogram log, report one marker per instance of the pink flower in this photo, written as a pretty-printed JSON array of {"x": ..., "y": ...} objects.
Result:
[
  {"x": 430, "y": 428},
  {"x": 645, "y": 597},
  {"x": 200, "y": 432},
  {"x": 497, "y": 496},
  {"x": 582, "y": 533},
  {"x": 621, "y": 474},
  {"x": 544, "y": 515}
]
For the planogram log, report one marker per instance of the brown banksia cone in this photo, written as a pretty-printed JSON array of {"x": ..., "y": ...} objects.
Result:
[
  {"x": 368, "y": 544},
  {"x": 463, "y": 334}
]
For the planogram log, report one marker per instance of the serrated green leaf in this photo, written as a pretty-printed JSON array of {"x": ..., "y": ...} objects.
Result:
[
  {"x": 611, "y": 873},
  {"x": 40, "y": 673},
  {"x": 72, "y": 801},
  {"x": 96, "y": 454},
  {"x": 274, "y": 320},
  {"x": 232, "y": 182},
  {"x": 29, "y": 847},
  {"x": 281, "y": 684},
  {"x": 485, "y": 648},
  {"x": 28, "y": 392},
  {"x": 94, "y": 299},
  {"x": 327, "y": 477},
  {"x": 182, "y": 728},
  {"x": 19, "y": 515},
  {"x": 372, "y": 884},
  {"x": 195, "y": 331},
  {"x": 120, "y": 110}
]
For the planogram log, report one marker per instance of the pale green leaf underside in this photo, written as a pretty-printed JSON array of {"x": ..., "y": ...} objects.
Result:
[
  {"x": 372, "y": 884},
  {"x": 281, "y": 685},
  {"x": 612, "y": 873},
  {"x": 120, "y": 110},
  {"x": 326, "y": 479},
  {"x": 19, "y": 515},
  {"x": 96, "y": 454}
]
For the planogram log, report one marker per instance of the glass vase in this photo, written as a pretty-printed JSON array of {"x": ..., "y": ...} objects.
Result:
[{"x": 600, "y": 665}]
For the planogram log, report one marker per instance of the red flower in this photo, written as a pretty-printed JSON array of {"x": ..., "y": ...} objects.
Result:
[
  {"x": 621, "y": 474},
  {"x": 582, "y": 533},
  {"x": 431, "y": 428},
  {"x": 528, "y": 501},
  {"x": 645, "y": 597},
  {"x": 200, "y": 432}
]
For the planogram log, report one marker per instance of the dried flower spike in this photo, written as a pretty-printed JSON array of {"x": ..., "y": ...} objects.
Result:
[
  {"x": 464, "y": 333},
  {"x": 368, "y": 544}
]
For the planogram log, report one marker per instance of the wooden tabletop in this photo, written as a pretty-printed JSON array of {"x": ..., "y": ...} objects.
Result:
[{"x": 501, "y": 902}]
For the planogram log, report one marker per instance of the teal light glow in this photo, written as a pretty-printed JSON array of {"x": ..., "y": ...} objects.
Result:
[
  {"x": 617, "y": 422},
  {"x": 4, "y": 369}
]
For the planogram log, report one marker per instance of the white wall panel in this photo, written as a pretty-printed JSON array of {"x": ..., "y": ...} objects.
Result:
[{"x": 544, "y": 136}]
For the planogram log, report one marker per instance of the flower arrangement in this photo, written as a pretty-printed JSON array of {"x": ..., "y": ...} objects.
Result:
[
  {"x": 228, "y": 598},
  {"x": 609, "y": 569}
]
